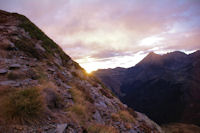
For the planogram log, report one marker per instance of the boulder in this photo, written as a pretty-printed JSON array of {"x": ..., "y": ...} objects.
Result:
[
  {"x": 98, "y": 117},
  {"x": 14, "y": 66},
  {"x": 10, "y": 83},
  {"x": 3, "y": 71},
  {"x": 61, "y": 128}
]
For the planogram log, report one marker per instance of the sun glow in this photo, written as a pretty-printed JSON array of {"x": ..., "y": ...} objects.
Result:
[{"x": 92, "y": 64}]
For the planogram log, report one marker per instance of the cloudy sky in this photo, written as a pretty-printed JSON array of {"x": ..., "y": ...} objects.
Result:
[{"x": 112, "y": 33}]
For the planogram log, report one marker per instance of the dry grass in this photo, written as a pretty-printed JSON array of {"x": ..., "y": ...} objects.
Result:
[
  {"x": 81, "y": 95},
  {"x": 52, "y": 99},
  {"x": 47, "y": 84},
  {"x": 126, "y": 116},
  {"x": 23, "y": 105},
  {"x": 115, "y": 117},
  {"x": 5, "y": 90},
  {"x": 180, "y": 128},
  {"x": 77, "y": 96},
  {"x": 128, "y": 125},
  {"x": 28, "y": 105},
  {"x": 82, "y": 110},
  {"x": 122, "y": 115},
  {"x": 41, "y": 75},
  {"x": 4, "y": 44},
  {"x": 3, "y": 53},
  {"x": 31, "y": 73},
  {"x": 98, "y": 128},
  {"x": 74, "y": 74},
  {"x": 62, "y": 77},
  {"x": 86, "y": 94},
  {"x": 79, "y": 110},
  {"x": 132, "y": 112},
  {"x": 15, "y": 75},
  {"x": 106, "y": 92}
]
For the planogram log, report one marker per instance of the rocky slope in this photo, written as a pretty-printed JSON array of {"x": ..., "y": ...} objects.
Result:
[
  {"x": 43, "y": 90},
  {"x": 164, "y": 87},
  {"x": 180, "y": 128}
]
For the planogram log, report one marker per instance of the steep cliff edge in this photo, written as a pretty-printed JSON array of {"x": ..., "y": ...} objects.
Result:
[{"x": 43, "y": 90}]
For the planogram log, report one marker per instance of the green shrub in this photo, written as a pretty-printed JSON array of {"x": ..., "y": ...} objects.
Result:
[{"x": 24, "y": 105}]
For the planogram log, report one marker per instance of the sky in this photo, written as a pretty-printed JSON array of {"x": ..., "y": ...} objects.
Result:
[{"x": 114, "y": 33}]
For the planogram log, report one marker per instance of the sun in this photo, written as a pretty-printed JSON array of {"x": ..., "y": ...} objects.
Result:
[
  {"x": 89, "y": 64},
  {"x": 89, "y": 69}
]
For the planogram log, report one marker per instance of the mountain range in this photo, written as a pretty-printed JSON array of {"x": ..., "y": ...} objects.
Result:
[{"x": 164, "y": 87}]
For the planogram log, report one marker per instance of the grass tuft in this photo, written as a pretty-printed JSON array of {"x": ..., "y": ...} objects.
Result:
[
  {"x": 77, "y": 95},
  {"x": 23, "y": 105},
  {"x": 126, "y": 116},
  {"x": 122, "y": 115},
  {"x": 98, "y": 128},
  {"x": 79, "y": 110}
]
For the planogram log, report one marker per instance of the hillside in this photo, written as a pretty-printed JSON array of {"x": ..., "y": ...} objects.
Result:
[
  {"x": 43, "y": 90},
  {"x": 164, "y": 87}
]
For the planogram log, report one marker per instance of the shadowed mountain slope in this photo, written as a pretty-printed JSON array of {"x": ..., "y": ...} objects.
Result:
[{"x": 164, "y": 87}]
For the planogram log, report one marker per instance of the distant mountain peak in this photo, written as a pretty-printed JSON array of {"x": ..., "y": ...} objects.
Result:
[
  {"x": 176, "y": 53},
  {"x": 153, "y": 55},
  {"x": 151, "y": 58}
]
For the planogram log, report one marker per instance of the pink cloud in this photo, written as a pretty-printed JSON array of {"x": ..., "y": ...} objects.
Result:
[{"x": 108, "y": 29}]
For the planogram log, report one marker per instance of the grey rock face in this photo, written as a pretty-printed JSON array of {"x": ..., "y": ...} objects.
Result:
[
  {"x": 98, "y": 117},
  {"x": 10, "y": 83},
  {"x": 14, "y": 66},
  {"x": 132, "y": 131},
  {"x": 61, "y": 128},
  {"x": 3, "y": 71},
  {"x": 39, "y": 47}
]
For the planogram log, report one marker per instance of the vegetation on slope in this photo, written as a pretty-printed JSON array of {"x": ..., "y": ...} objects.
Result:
[{"x": 22, "y": 105}]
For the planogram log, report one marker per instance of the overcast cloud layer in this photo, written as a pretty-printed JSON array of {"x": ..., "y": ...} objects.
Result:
[{"x": 111, "y": 33}]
